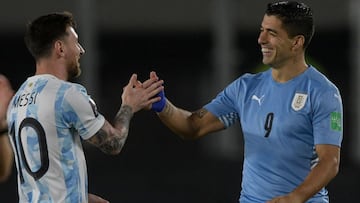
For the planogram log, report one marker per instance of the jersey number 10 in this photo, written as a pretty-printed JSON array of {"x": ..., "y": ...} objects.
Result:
[{"x": 18, "y": 143}]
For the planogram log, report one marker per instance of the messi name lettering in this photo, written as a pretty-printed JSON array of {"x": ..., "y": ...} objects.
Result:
[{"x": 25, "y": 99}]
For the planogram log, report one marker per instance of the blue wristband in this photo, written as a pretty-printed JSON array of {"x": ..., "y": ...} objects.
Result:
[{"x": 159, "y": 105}]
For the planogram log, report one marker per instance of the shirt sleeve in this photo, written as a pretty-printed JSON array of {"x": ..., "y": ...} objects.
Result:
[
  {"x": 223, "y": 106},
  {"x": 81, "y": 113},
  {"x": 328, "y": 118}
]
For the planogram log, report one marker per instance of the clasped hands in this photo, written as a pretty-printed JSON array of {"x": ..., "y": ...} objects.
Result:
[{"x": 144, "y": 95}]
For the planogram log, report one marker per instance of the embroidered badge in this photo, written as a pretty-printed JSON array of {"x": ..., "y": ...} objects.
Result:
[
  {"x": 335, "y": 121},
  {"x": 298, "y": 101}
]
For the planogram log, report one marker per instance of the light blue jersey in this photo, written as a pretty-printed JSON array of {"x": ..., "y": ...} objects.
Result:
[
  {"x": 281, "y": 123},
  {"x": 47, "y": 119}
]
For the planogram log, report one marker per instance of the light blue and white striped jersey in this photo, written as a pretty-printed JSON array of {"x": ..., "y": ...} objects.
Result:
[
  {"x": 281, "y": 124},
  {"x": 47, "y": 119}
]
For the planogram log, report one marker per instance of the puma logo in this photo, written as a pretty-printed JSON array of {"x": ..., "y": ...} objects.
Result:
[{"x": 256, "y": 98}]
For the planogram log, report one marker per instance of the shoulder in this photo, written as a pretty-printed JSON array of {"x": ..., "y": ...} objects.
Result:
[
  {"x": 60, "y": 89},
  {"x": 251, "y": 79},
  {"x": 316, "y": 76},
  {"x": 324, "y": 93},
  {"x": 319, "y": 80}
]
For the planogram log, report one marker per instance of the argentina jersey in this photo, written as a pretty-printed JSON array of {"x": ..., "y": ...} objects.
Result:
[
  {"x": 281, "y": 124},
  {"x": 48, "y": 118}
]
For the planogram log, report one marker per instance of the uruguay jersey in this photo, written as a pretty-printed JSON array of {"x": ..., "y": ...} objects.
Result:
[
  {"x": 281, "y": 124},
  {"x": 47, "y": 118}
]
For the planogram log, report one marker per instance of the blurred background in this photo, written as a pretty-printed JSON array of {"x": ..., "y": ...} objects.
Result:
[{"x": 197, "y": 47}]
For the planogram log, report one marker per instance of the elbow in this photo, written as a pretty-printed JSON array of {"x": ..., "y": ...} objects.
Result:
[
  {"x": 336, "y": 166},
  {"x": 113, "y": 147},
  {"x": 117, "y": 148},
  {"x": 333, "y": 166},
  {"x": 113, "y": 151},
  {"x": 329, "y": 160}
]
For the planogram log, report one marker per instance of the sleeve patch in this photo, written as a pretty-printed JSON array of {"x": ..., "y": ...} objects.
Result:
[{"x": 335, "y": 121}]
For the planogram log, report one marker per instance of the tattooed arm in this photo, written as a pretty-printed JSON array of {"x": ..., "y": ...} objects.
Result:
[
  {"x": 111, "y": 139},
  {"x": 186, "y": 124},
  {"x": 136, "y": 96}
]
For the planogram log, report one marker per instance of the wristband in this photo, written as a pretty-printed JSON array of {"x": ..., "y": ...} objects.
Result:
[{"x": 159, "y": 105}]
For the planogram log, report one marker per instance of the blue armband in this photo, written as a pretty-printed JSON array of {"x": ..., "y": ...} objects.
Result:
[{"x": 159, "y": 105}]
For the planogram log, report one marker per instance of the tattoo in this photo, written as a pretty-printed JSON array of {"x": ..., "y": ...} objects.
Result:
[
  {"x": 124, "y": 116},
  {"x": 114, "y": 143},
  {"x": 200, "y": 113},
  {"x": 101, "y": 136},
  {"x": 107, "y": 145}
]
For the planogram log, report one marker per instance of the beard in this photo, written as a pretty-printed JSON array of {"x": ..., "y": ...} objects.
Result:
[{"x": 74, "y": 71}]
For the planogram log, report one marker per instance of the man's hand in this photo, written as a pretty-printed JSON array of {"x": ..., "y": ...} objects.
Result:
[{"x": 139, "y": 95}]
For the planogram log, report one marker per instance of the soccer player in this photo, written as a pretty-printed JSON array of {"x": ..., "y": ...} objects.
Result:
[
  {"x": 291, "y": 115},
  {"x": 49, "y": 116}
]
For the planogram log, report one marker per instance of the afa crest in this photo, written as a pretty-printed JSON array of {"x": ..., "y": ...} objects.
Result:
[{"x": 299, "y": 101}]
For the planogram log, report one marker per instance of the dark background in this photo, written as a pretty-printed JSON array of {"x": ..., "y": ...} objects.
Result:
[{"x": 155, "y": 165}]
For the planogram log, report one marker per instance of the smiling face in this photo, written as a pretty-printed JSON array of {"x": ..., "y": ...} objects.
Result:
[
  {"x": 72, "y": 53},
  {"x": 276, "y": 46}
]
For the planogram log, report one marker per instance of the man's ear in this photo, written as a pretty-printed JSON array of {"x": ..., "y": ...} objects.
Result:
[
  {"x": 298, "y": 42},
  {"x": 59, "y": 48}
]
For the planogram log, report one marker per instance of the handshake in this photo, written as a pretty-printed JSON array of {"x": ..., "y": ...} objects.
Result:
[{"x": 148, "y": 94}]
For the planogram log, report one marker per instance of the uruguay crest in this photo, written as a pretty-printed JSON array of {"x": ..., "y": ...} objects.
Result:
[{"x": 298, "y": 101}]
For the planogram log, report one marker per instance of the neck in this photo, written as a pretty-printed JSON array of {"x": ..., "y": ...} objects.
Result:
[
  {"x": 50, "y": 67},
  {"x": 289, "y": 70}
]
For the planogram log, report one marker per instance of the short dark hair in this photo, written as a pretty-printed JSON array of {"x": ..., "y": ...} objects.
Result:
[
  {"x": 297, "y": 18},
  {"x": 44, "y": 30}
]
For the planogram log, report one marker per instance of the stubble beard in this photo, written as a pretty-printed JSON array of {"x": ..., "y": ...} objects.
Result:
[{"x": 74, "y": 72}]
